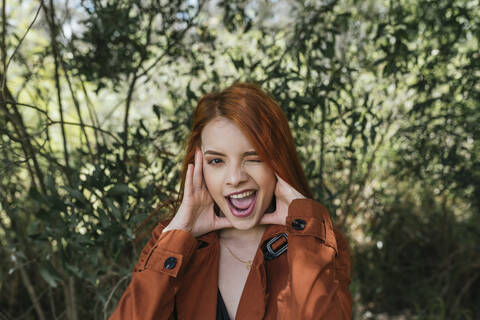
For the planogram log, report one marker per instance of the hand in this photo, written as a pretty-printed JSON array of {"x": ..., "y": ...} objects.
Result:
[
  {"x": 284, "y": 194},
  {"x": 196, "y": 214}
]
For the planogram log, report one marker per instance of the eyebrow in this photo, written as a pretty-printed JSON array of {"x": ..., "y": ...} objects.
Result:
[{"x": 245, "y": 154}]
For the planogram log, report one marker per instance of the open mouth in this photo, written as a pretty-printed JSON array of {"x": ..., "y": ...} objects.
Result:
[{"x": 242, "y": 205}]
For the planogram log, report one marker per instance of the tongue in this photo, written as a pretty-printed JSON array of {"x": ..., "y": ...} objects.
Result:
[{"x": 243, "y": 203}]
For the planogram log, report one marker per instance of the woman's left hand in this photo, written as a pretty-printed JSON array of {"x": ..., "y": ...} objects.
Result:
[{"x": 284, "y": 194}]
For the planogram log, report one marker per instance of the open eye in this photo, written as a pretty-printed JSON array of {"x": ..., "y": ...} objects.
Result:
[{"x": 215, "y": 161}]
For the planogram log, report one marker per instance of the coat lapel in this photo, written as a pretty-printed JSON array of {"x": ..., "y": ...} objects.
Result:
[{"x": 255, "y": 293}]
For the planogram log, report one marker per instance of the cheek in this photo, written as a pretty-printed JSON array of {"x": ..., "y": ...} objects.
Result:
[
  {"x": 211, "y": 180},
  {"x": 266, "y": 179}
]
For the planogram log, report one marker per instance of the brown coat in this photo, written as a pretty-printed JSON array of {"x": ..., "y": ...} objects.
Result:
[{"x": 177, "y": 274}]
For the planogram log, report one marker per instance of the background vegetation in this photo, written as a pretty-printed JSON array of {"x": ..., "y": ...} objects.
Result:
[{"x": 96, "y": 100}]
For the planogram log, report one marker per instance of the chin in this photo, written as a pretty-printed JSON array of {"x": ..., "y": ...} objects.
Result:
[{"x": 243, "y": 225}]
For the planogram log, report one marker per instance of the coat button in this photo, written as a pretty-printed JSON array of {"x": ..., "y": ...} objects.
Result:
[
  {"x": 170, "y": 263},
  {"x": 298, "y": 224}
]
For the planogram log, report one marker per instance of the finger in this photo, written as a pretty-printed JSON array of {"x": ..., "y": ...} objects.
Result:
[
  {"x": 285, "y": 189},
  {"x": 279, "y": 184},
  {"x": 197, "y": 172},
  {"x": 204, "y": 185},
  {"x": 278, "y": 177},
  {"x": 272, "y": 218},
  {"x": 188, "y": 180}
]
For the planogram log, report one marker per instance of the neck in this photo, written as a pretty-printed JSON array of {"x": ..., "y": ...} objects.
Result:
[{"x": 242, "y": 238}]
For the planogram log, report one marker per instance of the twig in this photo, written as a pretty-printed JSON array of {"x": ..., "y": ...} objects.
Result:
[
  {"x": 4, "y": 316},
  {"x": 23, "y": 315},
  {"x": 24, "y": 35},
  {"x": 4, "y": 49},
  {"x": 77, "y": 107},
  {"x": 31, "y": 292},
  {"x": 88, "y": 126},
  {"x": 52, "y": 303},
  {"x": 19, "y": 127},
  {"x": 50, "y": 16},
  {"x": 111, "y": 294},
  {"x": 167, "y": 50},
  {"x": 27, "y": 105}
]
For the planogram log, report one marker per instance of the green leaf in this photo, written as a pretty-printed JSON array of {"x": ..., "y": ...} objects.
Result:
[
  {"x": 119, "y": 190},
  {"x": 190, "y": 94},
  {"x": 74, "y": 193},
  {"x": 157, "y": 111},
  {"x": 115, "y": 211},
  {"x": 49, "y": 274}
]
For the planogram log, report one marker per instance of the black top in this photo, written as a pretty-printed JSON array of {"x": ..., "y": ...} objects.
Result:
[{"x": 222, "y": 313}]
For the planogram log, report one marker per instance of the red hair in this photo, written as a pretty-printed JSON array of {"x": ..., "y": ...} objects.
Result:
[{"x": 262, "y": 121}]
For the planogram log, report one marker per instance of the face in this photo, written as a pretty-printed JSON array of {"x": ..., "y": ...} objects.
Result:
[{"x": 238, "y": 180}]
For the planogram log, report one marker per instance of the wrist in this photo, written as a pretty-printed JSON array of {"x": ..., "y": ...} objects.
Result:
[
  {"x": 179, "y": 222},
  {"x": 173, "y": 226}
]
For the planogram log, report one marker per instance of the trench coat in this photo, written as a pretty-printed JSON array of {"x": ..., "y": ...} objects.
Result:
[{"x": 176, "y": 276}]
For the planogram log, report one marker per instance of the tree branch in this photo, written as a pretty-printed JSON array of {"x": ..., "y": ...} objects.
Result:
[
  {"x": 4, "y": 49},
  {"x": 31, "y": 292},
  {"x": 50, "y": 16},
  {"x": 20, "y": 129},
  {"x": 23, "y": 37}
]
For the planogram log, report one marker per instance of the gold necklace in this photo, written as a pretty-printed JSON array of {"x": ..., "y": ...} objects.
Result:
[{"x": 248, "y": 262}]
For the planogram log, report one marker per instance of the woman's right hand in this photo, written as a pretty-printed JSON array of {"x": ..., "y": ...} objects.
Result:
[{"x": 196, "y": 214}]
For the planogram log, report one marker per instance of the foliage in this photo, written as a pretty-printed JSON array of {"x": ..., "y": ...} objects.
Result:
[{"x": 382, "y": 98}]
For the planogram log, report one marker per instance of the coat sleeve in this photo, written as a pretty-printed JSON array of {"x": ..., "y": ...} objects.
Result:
[
  {"x": 319, "y": 266},
  {"x": 151, "y": 292}
]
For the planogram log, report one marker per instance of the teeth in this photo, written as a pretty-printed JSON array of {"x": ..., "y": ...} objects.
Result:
[{"x": 242, "y": 195}]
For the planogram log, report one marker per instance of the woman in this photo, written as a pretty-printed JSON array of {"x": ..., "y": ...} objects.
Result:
[{"x": 244, "y": 200}]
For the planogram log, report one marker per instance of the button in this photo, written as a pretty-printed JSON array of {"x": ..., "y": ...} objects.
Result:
[
  {"x": 298, "y": 224},
  {"x": 170, "y": 263}
]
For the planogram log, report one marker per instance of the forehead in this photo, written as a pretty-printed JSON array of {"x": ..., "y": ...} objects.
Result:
[{"x": 222, "y": 134}]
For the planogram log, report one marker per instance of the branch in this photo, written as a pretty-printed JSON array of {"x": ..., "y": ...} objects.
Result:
[
  {"x": 171, "y": 45},
  {"x": 20, "y": 129},
  {"x": 27, "y": 105},
  {"x": 4, "y": 49},
  {"x": 50, "y": 16},
  {"x": 24, "y": 35},
  {"x": 77, "y": 107},
  {"x": 88, "y": 126},
  {"x": 111, "y": 295},
  {"x": 31, "y": 291}
]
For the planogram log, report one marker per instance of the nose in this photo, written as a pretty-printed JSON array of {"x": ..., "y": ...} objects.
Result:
[{"x": 236, "y": 175}]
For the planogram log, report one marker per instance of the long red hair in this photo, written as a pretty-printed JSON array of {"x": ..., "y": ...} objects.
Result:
[{"x": 262, "y": 121}]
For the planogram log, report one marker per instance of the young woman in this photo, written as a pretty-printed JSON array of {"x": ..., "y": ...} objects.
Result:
[{"x": 247, "y": 241}]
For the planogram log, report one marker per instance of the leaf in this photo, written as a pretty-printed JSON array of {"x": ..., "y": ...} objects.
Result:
[
  {"x": 74, "y": 193},
  {"x": 390, "y": 68},
  {"x": 156, "y": 110},
  {"x": 37, "y": 196},
  {"x": 49, "y": 274},
  {"x": 190, "y": 94},
  {"x": 104, "y": 220},
  {"x": 119, "y": 190},
  {"x": 238, "y": 63},
  {"x": 73, "y": 269},
  {"x": 310, "y": 167},
  {"x": 115, "y": 211},
  {"x": 139, "y": 217}
]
